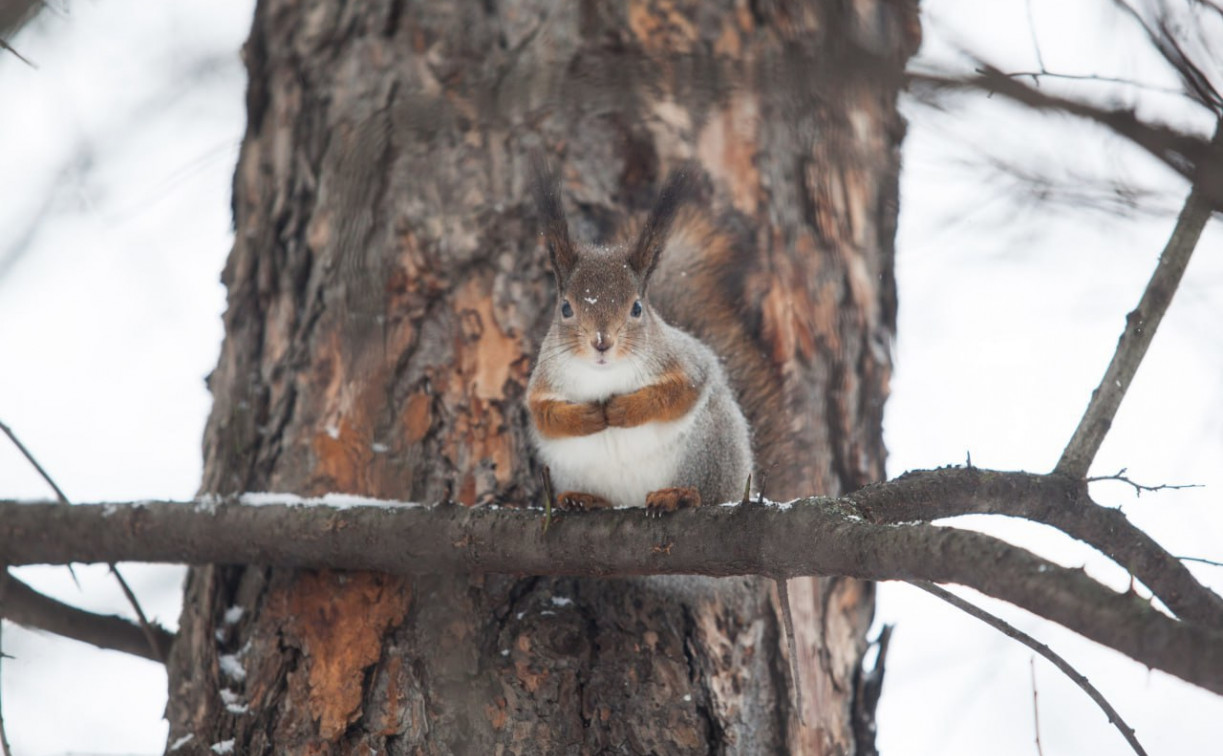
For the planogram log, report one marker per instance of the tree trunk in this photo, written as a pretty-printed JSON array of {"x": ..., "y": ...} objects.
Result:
[{"x": 387, "y": 295}]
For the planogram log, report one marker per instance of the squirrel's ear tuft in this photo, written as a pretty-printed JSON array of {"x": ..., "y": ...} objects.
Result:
[
  {"x": 546, "y": 186},
  {"x": 675, "y": 192}
]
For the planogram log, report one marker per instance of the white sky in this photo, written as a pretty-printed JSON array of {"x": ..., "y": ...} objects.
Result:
[{"x": 124, "y": 141}]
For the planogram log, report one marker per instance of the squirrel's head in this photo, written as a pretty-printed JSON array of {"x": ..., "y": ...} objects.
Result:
[{"x": 602, "y": 313}]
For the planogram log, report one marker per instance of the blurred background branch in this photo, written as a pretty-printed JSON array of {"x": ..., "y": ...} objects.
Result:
[{"x": 14, "y": 14}]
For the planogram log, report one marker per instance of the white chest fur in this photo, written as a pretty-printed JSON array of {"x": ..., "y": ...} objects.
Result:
[
  {"x": 620, "y": 464},
  {"x": 581, "y": 381}
]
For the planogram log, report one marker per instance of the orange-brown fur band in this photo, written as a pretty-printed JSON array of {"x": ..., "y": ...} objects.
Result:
[
  {"x": 669, "y": 399},
  {"x": 559, "y": 419},
  {"x": 672, "y": 397}
]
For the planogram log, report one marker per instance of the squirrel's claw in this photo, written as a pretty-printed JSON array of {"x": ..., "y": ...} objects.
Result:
[
  {"x": 578, "y": 501},
  {"x": 671, "y": 499}
]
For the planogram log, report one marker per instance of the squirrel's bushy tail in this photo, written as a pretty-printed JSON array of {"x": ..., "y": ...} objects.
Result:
[{"x": 706, "y": 283}]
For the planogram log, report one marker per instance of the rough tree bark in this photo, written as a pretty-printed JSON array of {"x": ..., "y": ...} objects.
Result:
[{"x": 387, "y": 294}]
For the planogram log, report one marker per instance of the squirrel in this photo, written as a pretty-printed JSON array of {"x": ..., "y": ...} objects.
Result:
[{"x": 626, "y": 408}]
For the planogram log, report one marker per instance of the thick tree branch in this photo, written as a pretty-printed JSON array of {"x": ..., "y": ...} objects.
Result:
[
  {"x": 811, "y": 537},
  {"x": 29, "y": 608},
  {"x": 1140, "y": 327},
  {"x": 1058, "y": 501}
]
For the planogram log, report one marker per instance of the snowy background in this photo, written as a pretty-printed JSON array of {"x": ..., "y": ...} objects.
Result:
[{"x": 118, "y": 152}]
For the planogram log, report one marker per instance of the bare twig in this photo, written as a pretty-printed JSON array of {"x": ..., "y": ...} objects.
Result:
[
  {"x": 59, "y": 494},
  {"x": 150, "y": 633},
  {"x": 1196, "y": 83},
  {"x": 1040, "y": 59},
  {"x": 1043, "y": 74},
  {"x": 1200, "y": 560},
  {"x": 45, "y": 476},
  {"x": 1013, "y": 632},
  {"x": 1040, "y": 751},
  {"x": 29, "y": 608},
  {"x": 1140, "y": 327},
  {"x": 6, "y": 46},
  {"x": 1120, "y": 477},
  {"x": 1072, "y": 190},
  {"x": 1195, "y": 158},
  {"x": 4, "y": 578},
  {"x": 815, "y": 536}
]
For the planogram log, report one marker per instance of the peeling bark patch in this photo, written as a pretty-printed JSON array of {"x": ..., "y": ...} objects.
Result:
[
  {"x": 490, "y": 350},
  {"x": 342, "y": 456},
  {"x": 417, "y": 417},
  {"x": 727, "y": 147},
  {"x": 340, "y": 619},
  {"x": 488, "y": 360},
  {"x": 497, "y": 715},
  {"x": 530, "y": 677},
  {"x": 787, "y": 322},
  {"x": 661, "y": 27}
]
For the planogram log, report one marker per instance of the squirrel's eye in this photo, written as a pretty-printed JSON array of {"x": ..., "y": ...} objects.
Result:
[
  {"x": 637, "y": 309},
  {"x": 566, "y": 310}
]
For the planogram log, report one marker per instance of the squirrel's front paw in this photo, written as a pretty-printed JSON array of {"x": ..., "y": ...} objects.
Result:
[
  {"x": 617, "y": 412},
  {"x": 591, "y": 418},
  {"x": 671, "y": 499},
  {"x": 576, "y": 501}
]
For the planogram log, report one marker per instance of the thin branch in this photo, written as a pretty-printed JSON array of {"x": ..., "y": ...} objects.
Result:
[
  {"x": 1040, "y": 59},
  {"x": 1072, "y": 190},
  {"x": 4, "y": 585},
  {"x": 59, "y": 494},
  {"x": 1197, "y": 159},
  {"x": 1196, "y": 83},
  {"x": 1013, "y": 632},
  {"x": 1210, "y": 6},
  {"x": 1040, "y": 751},
  {"x": 1036, "y": 76},
  {"x": 817, "y": 536},
  {"x": 1120, "y": 477},
  {"x": 150, "y": 633},
  {"x": 29, "y": 608},
  {"x": 6, "y": 46},
  {"x": 1200, "y": 560},
  {"x": 1140, "y": 327}
]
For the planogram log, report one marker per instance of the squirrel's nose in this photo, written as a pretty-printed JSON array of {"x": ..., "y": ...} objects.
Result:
[{"x": 601, "y": 342}]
